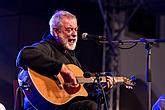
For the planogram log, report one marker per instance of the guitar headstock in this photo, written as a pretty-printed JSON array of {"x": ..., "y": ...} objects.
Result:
[{"x": 129, "y": 82}]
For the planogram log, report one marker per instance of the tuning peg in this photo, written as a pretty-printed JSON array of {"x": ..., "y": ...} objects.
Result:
[{"x": 132, "y": 77}]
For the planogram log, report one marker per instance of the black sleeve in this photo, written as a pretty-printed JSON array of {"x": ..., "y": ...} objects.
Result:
[{"x": 37, "y": 57}]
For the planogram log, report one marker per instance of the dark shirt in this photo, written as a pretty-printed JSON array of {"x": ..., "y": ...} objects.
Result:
[{"x": 45, "y": 57}]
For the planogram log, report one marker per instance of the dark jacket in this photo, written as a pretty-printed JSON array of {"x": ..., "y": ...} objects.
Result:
[{"x": 45, "y": 57}]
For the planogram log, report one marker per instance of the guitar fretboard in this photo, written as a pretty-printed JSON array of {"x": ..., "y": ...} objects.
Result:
[{"x": 82, "y": 80}]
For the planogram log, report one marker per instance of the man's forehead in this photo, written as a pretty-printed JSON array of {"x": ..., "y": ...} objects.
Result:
[
  {"x": 70, "y": 22},
  {"x": 69, "y": 19}
]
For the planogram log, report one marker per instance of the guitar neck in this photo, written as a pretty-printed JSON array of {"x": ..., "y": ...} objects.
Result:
[{"x": 82, "y": 80}]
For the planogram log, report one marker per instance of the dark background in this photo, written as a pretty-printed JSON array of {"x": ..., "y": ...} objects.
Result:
[{"x": 25, "y": 22}]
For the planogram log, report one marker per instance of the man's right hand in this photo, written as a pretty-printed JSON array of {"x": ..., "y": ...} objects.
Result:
[{"x": 68, "y": 75}]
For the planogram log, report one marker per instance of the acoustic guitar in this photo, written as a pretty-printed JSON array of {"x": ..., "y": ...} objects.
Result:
[{"x": 48, "y": 93}]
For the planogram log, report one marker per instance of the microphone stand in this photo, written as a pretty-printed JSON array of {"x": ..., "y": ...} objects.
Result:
[
  {"x": 100, "y": 93},
  {"x": 148, "y": 46}
]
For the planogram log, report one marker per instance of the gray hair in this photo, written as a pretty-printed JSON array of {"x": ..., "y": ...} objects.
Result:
[{"x": 55, "y": 21}]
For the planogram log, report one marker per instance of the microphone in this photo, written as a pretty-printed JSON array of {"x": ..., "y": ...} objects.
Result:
[
  {"x": 86, "y": 36},
  {"x": 89, "y": 74}
]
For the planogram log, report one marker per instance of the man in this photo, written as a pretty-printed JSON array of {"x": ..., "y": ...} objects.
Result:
[
  {"x": 50, "y": 57},
  {"x": 52, "y": 54}
]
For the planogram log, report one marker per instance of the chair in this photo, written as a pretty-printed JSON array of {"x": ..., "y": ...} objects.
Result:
[{"x": 18, "y": 96}]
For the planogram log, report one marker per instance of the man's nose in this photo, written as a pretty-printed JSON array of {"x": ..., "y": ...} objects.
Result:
[{"x": 74, "y": 33}]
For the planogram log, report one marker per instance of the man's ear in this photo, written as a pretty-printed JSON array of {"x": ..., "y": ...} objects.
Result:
[{"x": 56, "y": 31}]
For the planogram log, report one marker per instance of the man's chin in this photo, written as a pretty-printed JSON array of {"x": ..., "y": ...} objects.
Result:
[{"x": 70, "y": 47}]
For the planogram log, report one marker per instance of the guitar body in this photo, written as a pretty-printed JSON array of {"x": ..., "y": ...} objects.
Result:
[{"x": 48, "y": 94}]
